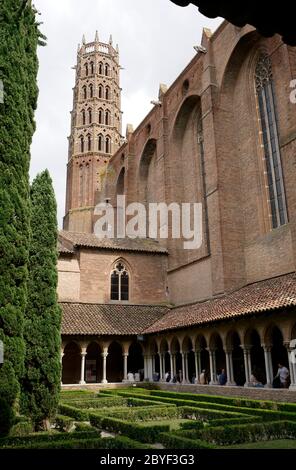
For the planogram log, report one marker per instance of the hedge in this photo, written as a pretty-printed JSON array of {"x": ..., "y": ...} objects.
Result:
[
  {"x": 142, "y": 414},
  {"x": 236, "y": 434},
  {"x": 45, "y": 437},
  {"x": 204, "y": 414},
  {"x": 134, "y": 431},
  {"x": 97, "y": 403},
  {"x": 173, "y": 441},
  {"x": 64, "y": 423},
  {"x": 230, "y": 401},
  {"x": 79, "y": 415}
]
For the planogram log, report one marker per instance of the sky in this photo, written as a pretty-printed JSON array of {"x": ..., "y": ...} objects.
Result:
[{"x": 155, "y": 38}]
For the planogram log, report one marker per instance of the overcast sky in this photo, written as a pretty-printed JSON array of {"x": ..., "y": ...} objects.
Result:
[{"x": 155, "y": 40}]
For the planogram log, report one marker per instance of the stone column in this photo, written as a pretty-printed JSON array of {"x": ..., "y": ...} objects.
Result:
[
  {"x": 160, "y": 366},
  {"x": 183, "y": 368},
  {"x": 197, "y": 365},
  {"x": 268, "y": 365},
  {"x": 163, "y": 366},
  {"x": 246, "y": 350},
  {"x": 186, "y": 368},
  {"x": 104, "y": 356},
  {"x": 172, "y": 365},
  {"x": 149, "y": 368},
  {"x": 153, "y": 364},
  {"x": 82, "y": 369},
  {"x": 229, "y": 367},
  {"x": 213, "y": 370},
  {"x": 125, "y": 356}
]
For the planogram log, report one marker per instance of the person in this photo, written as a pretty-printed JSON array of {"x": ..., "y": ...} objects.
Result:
[
  {"x": 202, "y": 377},
  {"x": 167, "y": 376},
  {"x": 222, "y": 378},
  {"x": 193, "y": 379},
  {"x": 130, "y": 377},
  {"x": 283, "y": 376},
  {"x": 254, "y": 382}
]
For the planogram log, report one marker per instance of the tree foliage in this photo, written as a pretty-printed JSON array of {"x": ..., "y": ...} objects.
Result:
[
  {"x": 19, "y": 37},
  {"x": 41, "y": 382}
]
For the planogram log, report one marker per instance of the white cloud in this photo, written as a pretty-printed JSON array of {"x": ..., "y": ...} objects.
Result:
[{"x": 155, "y": 38}]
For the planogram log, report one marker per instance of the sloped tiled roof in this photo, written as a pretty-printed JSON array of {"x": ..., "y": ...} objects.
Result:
[
  {"x": 90, "y": 240},
  {"x": 108, "y": 319},
  {"x": 62, "y": 249},
  {"x": 261, "y": 296}
]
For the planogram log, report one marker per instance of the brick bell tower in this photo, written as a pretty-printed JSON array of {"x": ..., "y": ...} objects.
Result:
[{"x": 95, "y": 130}]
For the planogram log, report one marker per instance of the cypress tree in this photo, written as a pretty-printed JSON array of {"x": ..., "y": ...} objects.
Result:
[
  {"x": 19, "y": 37},
  {"x": 41, "y": 382}
]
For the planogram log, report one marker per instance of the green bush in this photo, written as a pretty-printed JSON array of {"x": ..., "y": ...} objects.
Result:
[
  {"x": 142, "y": 414},
  {"x": 205, "y": 414},
  {"x": 96, "y": 402},
  {"x": 134, "y": 431},
  {"x": 79, "y": 415},
  {"x": 22, "y": 428},
  {"x": 6, "y": 417},
  {"x": 236, "y": 434},
  {"x": 172, "y": 440}
]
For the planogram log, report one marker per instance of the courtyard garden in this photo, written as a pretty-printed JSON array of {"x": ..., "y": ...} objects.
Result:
[{"x": 140, "y": 418}]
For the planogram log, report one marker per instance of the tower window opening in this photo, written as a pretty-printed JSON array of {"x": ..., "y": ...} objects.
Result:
[
  {"x": 81, "y": 144},
  {"x": 92, "y": 68},
  {"x": 84, "y": 92},
  {"x": 100, "y": 116},
  {"x": 83, "y": 117},
  {"x": 107, "y": 70},
  {"x": 101, "y": 68},
  {"x": 89, "y": 142},
  {"x": 100, "y": 142},
  {"x": 86, "y": 69},
  {"x": 108, "y": 145},
  {"x": 100, "y": 91},
  {"x": 90, "y": 116},
  {"x": 107, "y": 93},
  {"x": 107, "y": 118},
  {"x": 91, "y": 90}
]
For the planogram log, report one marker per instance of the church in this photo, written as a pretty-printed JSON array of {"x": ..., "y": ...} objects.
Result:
[{"x": 223, "y": 135}]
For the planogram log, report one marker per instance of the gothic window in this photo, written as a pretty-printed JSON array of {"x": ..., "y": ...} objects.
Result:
[
  {"x": 107, "y": 118},
  {"x": 107, "y": 70},
  {"x": 89, "y": 142},
  {"x": 100, "y": 91},
  {"x": 91, "y": 90},
  {"x": 100, "y": 142},
  {"x": 272, "y": 153},
  {"x": 81, "y": 144},
  {"x": 119, "y": 283},
  {"x": 107, "y": 93},
  {"x": 92, "y": 68},
  {"x": 108, "y": 145},
  {"x": 83, "y": 117},
  {"x": 100, "y": 116},
  {"x": 84, "y": 92},
  {"x": 86, "y": 69},
  {"x": 101, "y": 68},
  {"x": 90, "y": 116}
]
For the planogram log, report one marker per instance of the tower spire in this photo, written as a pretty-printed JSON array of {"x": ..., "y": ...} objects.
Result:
[
  {"x": 83, "y": 40},
  {"x": 110, "y": 40},
  {"x": 97, "y": 36}
]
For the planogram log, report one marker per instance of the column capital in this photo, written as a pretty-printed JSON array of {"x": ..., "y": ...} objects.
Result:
[
  {"x": 246, "y": 347},
  {"x": 83, "y": 353},
  {"x": 125, "y": 354},
  {"x": 228, "y": 350},
  {"x": 104, "y": 354},
  {"x": 266, "y": 347}
]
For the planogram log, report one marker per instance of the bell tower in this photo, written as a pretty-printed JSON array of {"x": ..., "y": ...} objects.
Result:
[{"x": 95, "y": 130}]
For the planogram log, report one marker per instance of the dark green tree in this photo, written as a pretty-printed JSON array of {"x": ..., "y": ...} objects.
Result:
[
  {"x": 42, "y": 378},
  {"x": 19, "y": 37}
]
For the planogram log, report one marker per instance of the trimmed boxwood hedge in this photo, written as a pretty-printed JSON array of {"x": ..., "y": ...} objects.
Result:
[
  {"x": 79, "y": 415},
  {"x": 236, "y": 434},
  {"x": 132, "y": 430},
  {"x": 141, "y": 414},
  {"x": 44, "y": 437},
  {"x": 63, "y": 423},
  {"x": 171, "y": 440},
  {"x": 97, "y": 403}
]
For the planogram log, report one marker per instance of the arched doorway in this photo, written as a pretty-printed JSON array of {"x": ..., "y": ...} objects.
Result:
[
  {"x": 177, "y": 360},
  {"x": 201, "y": 347},
  {"x": 115, "y": 363},
  {"x": 219, "y": 361},
  {"x": 71, "y": 369},
  {"x": 135, "y": 360},
  {"x": 187, "y": 348},
  {"x": 257, "y": 356},
  {"x": 279, "y": 353},
  {"x": 93, "y": 363},
  {"x": 234, "y": 344}
]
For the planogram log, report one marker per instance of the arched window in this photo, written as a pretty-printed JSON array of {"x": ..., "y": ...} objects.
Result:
[
  {"x": 86, "y": 69},
  {"x": 100, "y": 91},
  {"x": 83, "y": 117},
  {"x": 100, "y": 116},
  {"x": 100, "y": 142},
  {"x": 92, "y": 68},
  {"x": 101, "y": 68},
  {"x": 272, "y": 153},
  {"x": 107, "y": 117},
  {"x": 81, "y": 143},
  {"x": 108, "y": 144},
  {"x": 107, "y": 70},
  {"x": 119, "y": 283},
  {"x": 107, "y": 93},
  {"x": 89, "y": 142},
  {"x": 84, "y": 92},
  {"x": 90, "y": 116},
  {"x": 91, "y": 90}
]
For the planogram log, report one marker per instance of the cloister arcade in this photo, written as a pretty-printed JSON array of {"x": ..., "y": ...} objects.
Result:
[{"x": 241, "y": 351}]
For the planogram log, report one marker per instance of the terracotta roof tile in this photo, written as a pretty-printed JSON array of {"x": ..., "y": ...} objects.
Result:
[
  {"x": 265, "y": 295},
  {"x": 90, "y": 240},
  {"x": 108, "y": 319},
  {"x": 62, "y": 249}
]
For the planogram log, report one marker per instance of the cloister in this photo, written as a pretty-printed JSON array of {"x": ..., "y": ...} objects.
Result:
[{"x": 240, "y": 347}]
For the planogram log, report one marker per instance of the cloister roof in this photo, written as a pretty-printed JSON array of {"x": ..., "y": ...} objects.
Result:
[
  {"x": 271, "y": 294},
  {"x": 118, "y": 319},
  {"x": 71, "y": 240},
  {"x": 108, "y": 319}
]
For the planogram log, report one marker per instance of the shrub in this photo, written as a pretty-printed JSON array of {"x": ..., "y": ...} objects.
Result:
[
  {"x": 142, "y": 414},
  {"x": 134, "y": 431},
  {"x": 97, "y": 402},
  {"x": 64, "y": 423},
  {"x": 79, "y": 415},
  {"x": 22, "y": 428},
  {"x": 174, "y": 441},
  {"x": 6, "y": 417}
]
